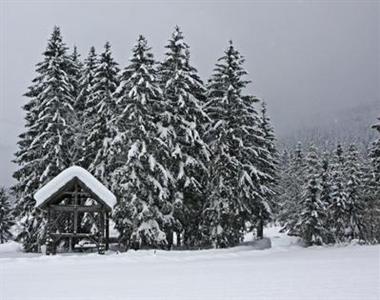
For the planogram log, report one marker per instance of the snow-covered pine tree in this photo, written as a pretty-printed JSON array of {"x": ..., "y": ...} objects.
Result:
[
  {"x": 85, "y": 108},
  {"x": 268, "y": 163},
  {"x": 102, "y": 109},
  {"x": 182, "y": 125},
  {"x": 310, "y": 225},
  {"x": 354, "y": 191},
  {"x": 372, "y": 189},
  {"x": 337, "y": 210},
  {"x": 236, "y": 142},
  {"x": 44, "y": 147},
  {"x": 375, "y": 155},
  {"x": 326, "y": 193},
  {"x": 6, "y": 216},
  {"x": 290, "y": 197},
  {"x": 141, "y": 179},
  {"x": 75, "y": 74}
]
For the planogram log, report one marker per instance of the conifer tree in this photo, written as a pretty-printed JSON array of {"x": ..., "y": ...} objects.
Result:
[
  {"x": 268, "y": 163},
  {"x": 338, "y": 207},
  {"x": 184, "y": 120},
  {"x": 86, "y": 109},
  {"x": 144, "y": 208},
  {"x": 354, "y": 192},
  {"x": 375, "y": 155},
  {"x": 6, "y": 217},
  {"x": 236, "y": 142},
  {"x": 326, "y": 193},
  {"x": 292, "y": 182},
  {"x": 312, "y": 213},
  {"x": 372, "y": 189},
  {"x": 102, "y": 108},
  {"x": 75, "y": 74},
  {"x": 76, "y": 118},
  {"x": 44, "y": 149}
]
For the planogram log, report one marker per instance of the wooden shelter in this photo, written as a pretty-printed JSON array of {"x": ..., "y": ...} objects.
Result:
[{"x": 78, "y": 210}]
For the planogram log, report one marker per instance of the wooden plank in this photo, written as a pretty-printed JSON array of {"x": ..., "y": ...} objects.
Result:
[
  {"x": 72, "y": 234},
  {"x": 79, "y": 208},
  {"x": 81, "y": 194}
]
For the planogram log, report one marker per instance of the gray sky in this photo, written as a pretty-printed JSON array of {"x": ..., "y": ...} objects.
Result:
[{"x": 304, "y": 58}]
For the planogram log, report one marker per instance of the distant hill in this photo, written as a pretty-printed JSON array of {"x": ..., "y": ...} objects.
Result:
[{"x": 348, "y": 125}]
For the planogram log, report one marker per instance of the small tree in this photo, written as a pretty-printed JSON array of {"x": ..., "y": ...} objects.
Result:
[
  {"x": 372, "y": 189},
  {"x": 293, "y": 179},
  {"x": 337, "y": 210},
  {"x": 310, "y": 221},
  {"x": 6, "y": 217},
  {"x": 354, "y": 191},
  {"x": 326, "y": 192}
]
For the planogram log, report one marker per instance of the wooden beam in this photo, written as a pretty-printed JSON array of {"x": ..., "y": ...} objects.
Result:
[
  {"x": 81, "y": 194},
  {"x": 71, "y": 234},
  {"x": 80, "y": 208}
]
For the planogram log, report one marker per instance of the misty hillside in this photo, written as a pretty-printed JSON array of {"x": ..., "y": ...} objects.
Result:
[{"x": 348, "y": 125}]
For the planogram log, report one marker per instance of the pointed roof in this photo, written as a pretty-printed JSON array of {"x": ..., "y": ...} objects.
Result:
[{"x": 63, "y": 178}]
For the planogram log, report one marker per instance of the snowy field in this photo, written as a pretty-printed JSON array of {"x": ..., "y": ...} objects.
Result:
[{"x": 286, "y": 271}]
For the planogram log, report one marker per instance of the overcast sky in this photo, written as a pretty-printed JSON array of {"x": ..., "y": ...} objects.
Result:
[{"x": 304, "y": 58}]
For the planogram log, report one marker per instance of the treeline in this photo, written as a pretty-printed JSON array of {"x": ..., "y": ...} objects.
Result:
[
  {"x": 186, "y": 159},
  {"x": 331, "y": 197}
]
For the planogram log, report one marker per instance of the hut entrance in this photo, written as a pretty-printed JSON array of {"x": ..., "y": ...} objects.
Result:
[{"x": 78, "y": 209}]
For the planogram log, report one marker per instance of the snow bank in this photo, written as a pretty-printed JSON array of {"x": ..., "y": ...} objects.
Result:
[
  {"x": 65, "y": 176},
  {"x": 10, "y": 247}
]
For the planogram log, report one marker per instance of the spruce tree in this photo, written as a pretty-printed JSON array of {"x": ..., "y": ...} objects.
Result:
[
  {"x": 292, "y": 182},
  {"x": 268, "y": 163},
  {"x": 236, "y": 142},
  {"x": 144, "y": 207},
  {"x": 183, "y": 118},
  {"x": 375, "y": 155},
  {"x": 44, "y": 149},
  {"x": 338, "y": 207},
  {"x": 326, "y": 193},
  {"x": 75, "y": 74},
  {"x": 6, "y": 217},
  {"x": 312, "y": 211},
  {"x": 76, "y": 120},
  {"x": 372, "y": 189},
  {"x": 86, "y": 109},
  {"x": 102, "y": 108},
  {"x": 354, "y": 191}
]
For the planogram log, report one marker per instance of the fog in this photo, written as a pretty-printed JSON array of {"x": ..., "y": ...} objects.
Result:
[{"x": 306, "y": 59}]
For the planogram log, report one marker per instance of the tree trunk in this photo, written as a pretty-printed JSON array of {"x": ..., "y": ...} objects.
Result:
[{"x": 260, "y": 229}]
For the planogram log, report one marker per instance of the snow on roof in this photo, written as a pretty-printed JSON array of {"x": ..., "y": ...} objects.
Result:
[{"x": 65, "y": 176}]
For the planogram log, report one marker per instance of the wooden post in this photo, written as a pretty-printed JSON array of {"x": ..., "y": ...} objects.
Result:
[
  {"x": 101, "y": 247},
  {"x": 260, "y": 229},
  {"x": 76, "y": 209},
  {"x": 107, "y": 230}
]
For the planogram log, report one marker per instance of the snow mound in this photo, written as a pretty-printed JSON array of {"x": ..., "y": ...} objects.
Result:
[
  {"x": 70, "y": 173},
  {"x": 10, "y": 247}
]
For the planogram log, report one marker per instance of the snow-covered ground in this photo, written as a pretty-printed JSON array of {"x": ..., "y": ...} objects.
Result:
[{"x": 286, "y": 271}]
